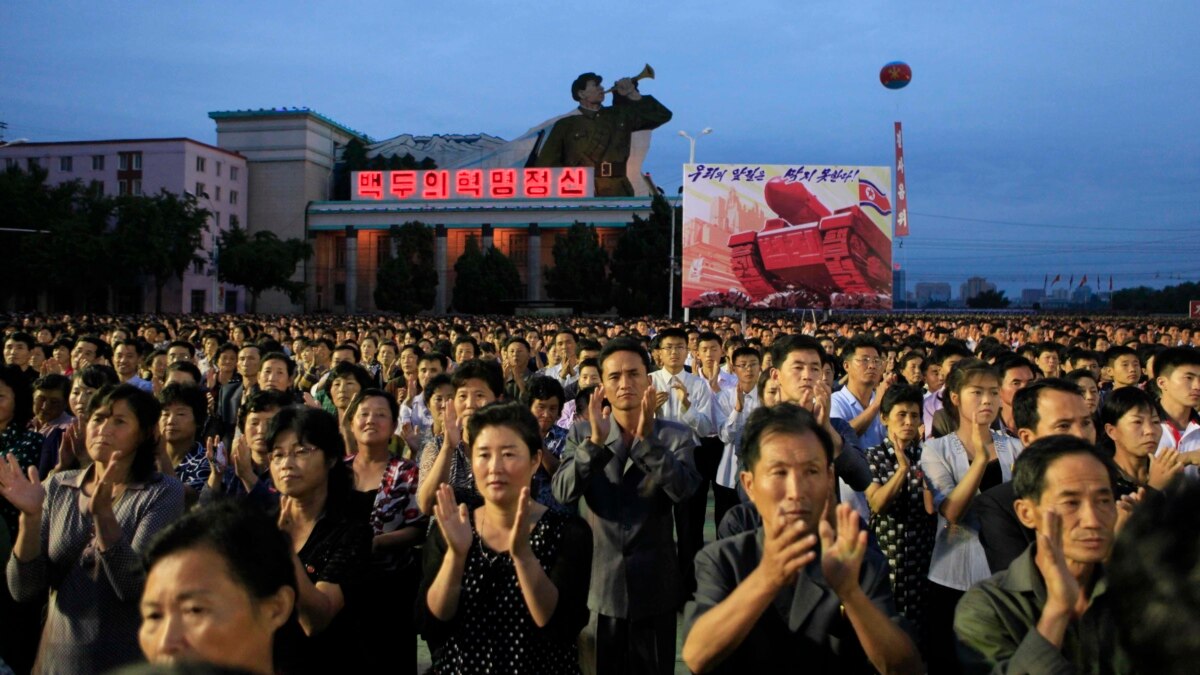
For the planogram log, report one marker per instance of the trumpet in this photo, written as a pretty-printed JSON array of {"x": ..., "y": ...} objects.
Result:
[{"x": 646, "y": 74}]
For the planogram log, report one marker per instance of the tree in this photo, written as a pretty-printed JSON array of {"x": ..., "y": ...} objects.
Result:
[
  {"x": 407, "y": 281},
  {"x": 580, "y": 269},
  {"x": 989, "y": 300},
  {"x": 261, "y": 262},
  {"x": 158, "y": 236},
  {"x": 640, "y": 269},
  {"x": 1172, "y": 299},
  {"x": 484, "y": 280}
]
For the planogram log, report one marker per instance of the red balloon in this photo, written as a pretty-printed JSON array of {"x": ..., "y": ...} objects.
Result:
[{"x": 895, "y": 75}]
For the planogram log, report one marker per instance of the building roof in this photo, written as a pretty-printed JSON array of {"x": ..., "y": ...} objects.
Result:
[
  {"x": 122, "y": 141},
  {"x": 287, "y": 112}
]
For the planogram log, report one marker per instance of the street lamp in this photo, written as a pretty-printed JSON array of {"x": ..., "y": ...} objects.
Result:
[{"x": 671, "y": 288}]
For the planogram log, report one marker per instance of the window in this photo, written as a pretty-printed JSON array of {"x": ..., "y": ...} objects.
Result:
[
  {"x": 233, "y": 173},
  {"x": 233, "y": 220},
  {"x": 122, "y": 187},
  {"x": 137, "y": 187},
  {"x": 233, "y": 196},
  {"x": 198, "y": 300},
  {"x": 198, "y": 267},
  {"x": 97, "y": 162},
  {"x": 217, "y": 193},
  {"x": 137, "y": 161},
  {"x": 201, "y": 193},
  {"x": 65, "y": 163},
  {"x": 217, "y": 168},
  {"x": 123, "y": 162},
  {"x": 200, "y": 164}
]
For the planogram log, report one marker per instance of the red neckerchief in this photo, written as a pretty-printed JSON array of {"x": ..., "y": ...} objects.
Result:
[{"x": 1176, "y": 432}]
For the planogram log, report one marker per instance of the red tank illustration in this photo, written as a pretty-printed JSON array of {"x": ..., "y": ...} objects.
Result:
[{"x": 809, "y": 251}]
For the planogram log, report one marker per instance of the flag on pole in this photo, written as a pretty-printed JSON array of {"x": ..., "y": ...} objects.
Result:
[
  {"x": 1057, "y": 278},
  {"x": 1071, "y": 282},
  {"x": 1110, "y": 282},
  {"x": 901, "y": 189},
  {"x": 1083, "y": 281}
]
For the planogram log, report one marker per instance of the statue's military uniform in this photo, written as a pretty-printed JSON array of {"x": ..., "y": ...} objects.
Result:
[{"x": 600, "y": 139}]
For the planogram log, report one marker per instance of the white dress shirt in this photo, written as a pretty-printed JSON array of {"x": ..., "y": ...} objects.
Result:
[
  {"x": 729, "y": 423},
  {"x": 699, "y": 415}
]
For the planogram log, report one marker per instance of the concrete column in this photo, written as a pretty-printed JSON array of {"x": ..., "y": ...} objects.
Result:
[
  {"x": 533, "y": 264},
  {"x": 351, "y": 269},
  {"x": 485, "y": 237},
  {"x": 441, "y": 251}
]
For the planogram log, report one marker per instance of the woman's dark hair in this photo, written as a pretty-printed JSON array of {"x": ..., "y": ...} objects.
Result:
[
  {"x": 257, "y": 552},
  {"x": 476, "y": 369},
  {"x": 345, "y": 369},
  {"x": 189, "y": 395},
  {"x": 543, "y": 388},
  {"x": 963, "y": 373},
  {"x": 901, "y": 393},
  {"x": 262, "y": 401},
  {"x": 1080, "y": 373},
  {"x": 22, "y": 395},
  {"x": 314, "y": 426},
  {"x": 1117, "y": 404},
  {"x": 96, "y": 376},
  {"x": 147, "y": 410},
  {"x": 375, "y": 392},
  {"x": 436, "y": 382},
  {"x": 511, "y": 415}
]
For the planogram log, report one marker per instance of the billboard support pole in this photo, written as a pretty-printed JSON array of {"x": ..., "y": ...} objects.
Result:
[{"x": 671, "y": 267}]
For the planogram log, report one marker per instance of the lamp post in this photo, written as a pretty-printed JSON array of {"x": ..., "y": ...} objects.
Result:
[{"x": 671, "y": 289}]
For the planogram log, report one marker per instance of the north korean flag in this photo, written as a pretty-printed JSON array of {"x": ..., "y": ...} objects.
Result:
[{"x": 869, "y": 195}]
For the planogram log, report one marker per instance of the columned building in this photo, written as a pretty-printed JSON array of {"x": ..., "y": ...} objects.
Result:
[{"x": 350, "y": 239}]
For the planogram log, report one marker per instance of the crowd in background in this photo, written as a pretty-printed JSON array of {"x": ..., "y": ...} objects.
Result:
[{"x": 300, "y": 494}]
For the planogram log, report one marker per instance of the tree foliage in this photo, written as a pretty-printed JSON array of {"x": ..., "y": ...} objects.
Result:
[
  {"x": 407, "y": 281},
  {"x": 354, "y": 158},
  {"x": 159, "y": 236},
  {"x": 484, "y": 280},
  {"x": 640, "y": 265},
  {"x": 989, "y": 300},
  {"x": 260, "y": 262},
  {"x": 1169, "y": 300},
  {"x": 580, "y": 269}
]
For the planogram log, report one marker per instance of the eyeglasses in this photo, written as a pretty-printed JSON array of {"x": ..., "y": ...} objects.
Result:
[
  {"x": 674, "y": 348},
  {"x": 862, "y": 361},
  {"x": 300, "y": 454}
]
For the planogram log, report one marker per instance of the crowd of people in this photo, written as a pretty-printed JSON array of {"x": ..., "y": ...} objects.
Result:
[{"x": 312, "y": 494}]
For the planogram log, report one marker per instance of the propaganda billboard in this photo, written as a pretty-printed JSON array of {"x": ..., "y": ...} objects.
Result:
[{"x": 787, "y": 236}]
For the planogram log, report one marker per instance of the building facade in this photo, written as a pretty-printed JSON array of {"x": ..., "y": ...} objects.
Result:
[{"x": 216, "y": 176}]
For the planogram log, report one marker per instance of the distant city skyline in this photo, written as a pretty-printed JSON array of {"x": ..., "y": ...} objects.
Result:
[{"x": 1041, "y": 139}]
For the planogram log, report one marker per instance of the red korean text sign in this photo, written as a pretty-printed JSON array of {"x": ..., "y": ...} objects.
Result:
[{"x": 567, "y": 182}]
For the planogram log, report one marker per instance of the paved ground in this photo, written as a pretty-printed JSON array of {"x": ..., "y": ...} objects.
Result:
[{"x": 424, "y": 663}]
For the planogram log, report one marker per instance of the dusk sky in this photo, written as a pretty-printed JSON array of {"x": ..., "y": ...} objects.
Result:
[{"x": 1046, "y": 138}]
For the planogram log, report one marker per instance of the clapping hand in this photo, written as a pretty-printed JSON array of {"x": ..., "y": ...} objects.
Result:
[
  {"x": 1164, "y": 467},
  {"x": 518, "y": 538},
  {"x": 598, "y": 416},
  {"x": 645, "y": 427},
  {"x": 70, "y": 447},
  {"x": 454, "y": 521},
  {"x": 1063, "y": 592},
  {"x": 101, "y": 504},
  {"x": 22, "y": 489},
  {"x": 1125, "y": 506},
  {"x": 787, "y": 549},
  {"x": 842, "y": 553}
]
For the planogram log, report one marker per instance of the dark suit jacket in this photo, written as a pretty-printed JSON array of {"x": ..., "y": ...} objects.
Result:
[
  {"x": 626, "y": 495},
  {"x": 804, "y": 627},
  {"x": 1003, "y": 536},
  {"x": 229, "y": 399}
]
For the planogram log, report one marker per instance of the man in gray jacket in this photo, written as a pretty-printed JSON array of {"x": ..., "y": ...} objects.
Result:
[{"x": 626, "y": 470}]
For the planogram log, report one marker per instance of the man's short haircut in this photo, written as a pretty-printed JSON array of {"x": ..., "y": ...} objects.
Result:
[
  {"x": 908, "y": 357},
  {"x": 1169, "y": 359},
  {"x": 279, "y": 356},
  {"x": 588, "y": 344},
  {"x": 138, "y": 346},
  {"x": 249, "y": 345},
  {"x": 517, "y": 340},
  {"x": 350, "y": 347},
  {"x": 186, "y": 345},
  {"x": 1046, "y": 348},
  {"x": 1029, "y": 471},
  {"x": 1077, "y": 354},
  {"x": 542, "y": 388},
  {"x": 53, "y": 382},
  {"x": 1113, "y": 353},
  {"x": 784, "y": 418},
  {"x": 436, "y": 382},
  {"x": 745, "y": 351},
  {"x": 709, "y": 336},
  {"x": 584, "y": 398},
  {"x": 581, "y": 83},
  {"x": 1013, "y": 362},
  {"x": 187, "y": 367},
  {"x": 589, "y": 363},
  {"x": 616, "y": 345},
  {"x": 21, "y": 336},
  {"x": 476, "y": 369},
  {"x": 441, "y": 358},
  {"x": 672, "y": 332},
  {"x": 1080, "y": 373},
  {"x": 566, "y": 331},
  {"x": 1153, "y": 576},
  {"x": 860, "y": 341},
  {"x": 901, "y": 393},
  {"x": 261, "y": 402},
  {"x": 1025, "y": 401},
  {"x": 95, "y": 376},
  {"x": 786, "y": 344},
  {"x": 187, "y": 395},
  {"x": 948, "y": 350}
]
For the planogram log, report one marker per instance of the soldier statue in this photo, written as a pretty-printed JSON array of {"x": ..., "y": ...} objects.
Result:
[{"x": 599, "y": 136}]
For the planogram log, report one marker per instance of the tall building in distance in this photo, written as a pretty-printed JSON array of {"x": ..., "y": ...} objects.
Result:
[
  {"x": 932, "y": 293},
  {"x": 146, "y": 166},
  {"x": 899, "y": 289},
  {"x": 975, "y": 286}
]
